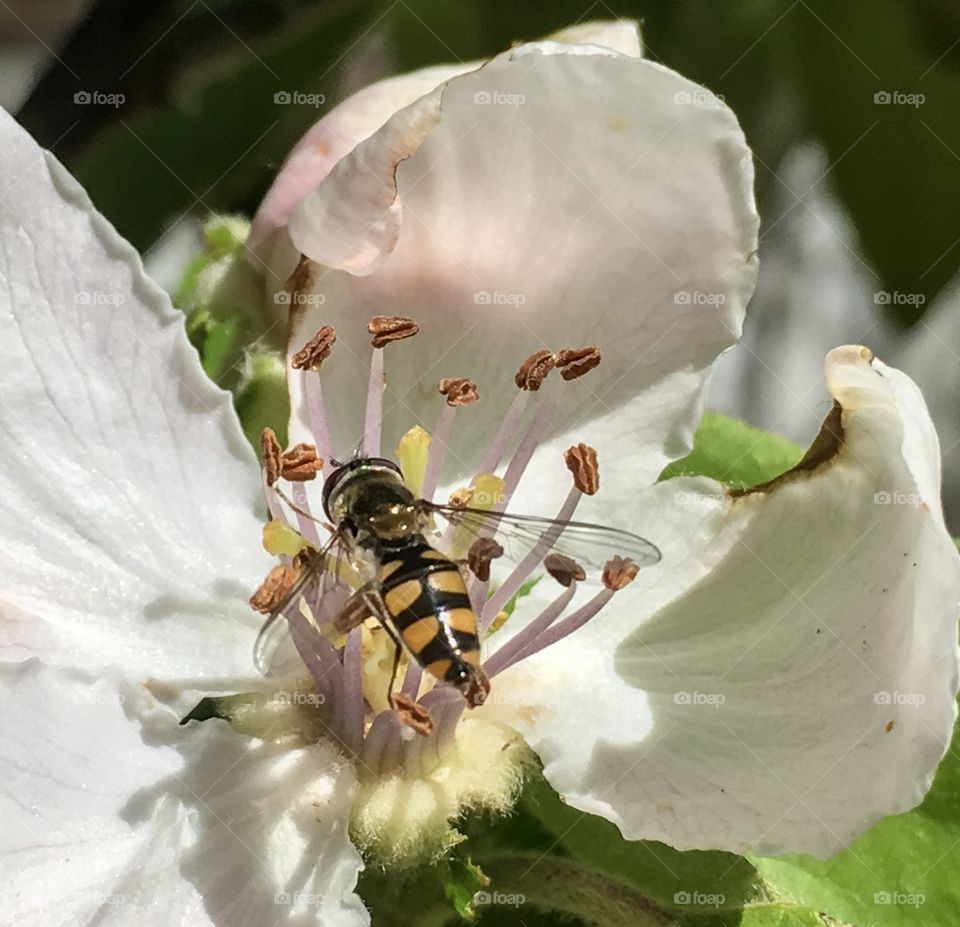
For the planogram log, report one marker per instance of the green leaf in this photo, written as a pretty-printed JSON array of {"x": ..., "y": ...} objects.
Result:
[
  {"x": 735, "y": 453},
  {"x": 550, "y": 856},
  {"x": 217, "y": 142},
  {"x": 262, "y": 401},
  {"x": 463, "y": 883}
]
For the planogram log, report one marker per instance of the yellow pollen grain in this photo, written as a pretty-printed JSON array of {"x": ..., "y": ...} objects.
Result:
[
  {"x": 412, "y": 453},
  {"x": 280, "y": 539}
]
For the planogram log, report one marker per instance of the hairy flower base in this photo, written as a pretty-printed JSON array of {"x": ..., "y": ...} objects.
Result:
[{"x": 401, "y": 821}]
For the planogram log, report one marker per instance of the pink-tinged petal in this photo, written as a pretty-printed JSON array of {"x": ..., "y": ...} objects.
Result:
[{"x": 560, "y": 196}]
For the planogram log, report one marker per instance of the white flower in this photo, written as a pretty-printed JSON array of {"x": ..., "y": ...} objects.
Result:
[{"x": 784, "y": 677}]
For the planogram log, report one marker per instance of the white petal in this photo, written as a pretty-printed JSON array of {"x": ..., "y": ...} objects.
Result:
[
  {"x": 557, "y": 197},
  {"x": 328, "y": 140},
  {"x": 110, "y": 824},
  {"x": 128, "y": 526},
  {"x": 801, "y": 682},
  {"x": 622, "y": 35}
]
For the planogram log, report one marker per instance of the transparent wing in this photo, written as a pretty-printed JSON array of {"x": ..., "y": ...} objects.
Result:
[
  {"x": 589, "y": 544},
  {"x": 314, "y": 582}
]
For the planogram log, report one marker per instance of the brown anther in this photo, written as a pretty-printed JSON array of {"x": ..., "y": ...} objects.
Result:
[
  {"x": 458, "y": 390},
  {"x": 619, "y": 572},
  {"x": 533, "y": 371},
  {"x": 387, "y": 328},
  {"x": 272, "y": 455},
  {"x": 274, "y": 589},
  {"x": 315, "y": 351},
  {"x": 575, "y": 362},
  {"x": 412, "y": 714},
  {"x": 565, "y": 570},
  {"x": 481, "y": 552},
  {"x": 581, "y": 461},
  {"x": 300, "y": 463}
]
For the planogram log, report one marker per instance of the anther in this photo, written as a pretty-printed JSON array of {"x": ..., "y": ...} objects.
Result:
[
  {"x": 575, "y": 362},
  {"x": 300, "y": 463},
  {"x": 565, "y": 570},
  {"x": 412, "y": 713},
  {"x": 274, "y": 589},
  {"x": 619, "y": 572},
  {"x": 387, "y": 328},
  {"x": 533, "y": 371},
  {"x": 272, "y": 455},
  {"x": 459, "y": 391},
  {"x": 581, "y": 460},
  {"x": 315, "y": 351},
  {"x": 482, "y": 552}
]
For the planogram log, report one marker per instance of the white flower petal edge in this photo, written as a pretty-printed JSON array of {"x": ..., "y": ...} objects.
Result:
[
  {"x": 358, "y": 117},
  {"x": 801, "y": 682},
  {"x": 312, "y": 158},
  {"x": 128, "y": 521},
  {"x": 557, "y": 197},
  {"x": 107, "y": 822}
]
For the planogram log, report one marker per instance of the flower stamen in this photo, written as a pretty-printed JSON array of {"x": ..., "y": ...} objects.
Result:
[{"x": 458, "y": 391}]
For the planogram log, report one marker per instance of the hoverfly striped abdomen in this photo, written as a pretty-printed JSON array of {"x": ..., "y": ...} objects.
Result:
[{"x": 428, "y": 605}]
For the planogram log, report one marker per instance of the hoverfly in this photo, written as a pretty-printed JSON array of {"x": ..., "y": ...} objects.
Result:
[{"x": 415, "y": 592}]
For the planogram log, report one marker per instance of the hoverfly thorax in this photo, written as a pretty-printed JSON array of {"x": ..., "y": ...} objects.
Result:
[{"x": 367, "y": 497}]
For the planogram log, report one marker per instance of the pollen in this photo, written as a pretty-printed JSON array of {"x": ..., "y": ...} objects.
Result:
[
  {"x": 281, "y": 540},
  {"x": 412, "y": 454}
]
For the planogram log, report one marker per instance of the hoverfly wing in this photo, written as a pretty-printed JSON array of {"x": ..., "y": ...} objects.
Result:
[
  {"x": 591, "y": 545},
  {"x": 312, "y": 582}
]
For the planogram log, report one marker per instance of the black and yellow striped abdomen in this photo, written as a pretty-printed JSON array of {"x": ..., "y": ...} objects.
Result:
[{"x": 426, "y": 599}]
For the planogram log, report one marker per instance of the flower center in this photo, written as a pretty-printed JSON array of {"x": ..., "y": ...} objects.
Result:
[{"x": 407, "y": 729}]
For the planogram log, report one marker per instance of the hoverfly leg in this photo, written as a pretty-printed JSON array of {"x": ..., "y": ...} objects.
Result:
[{"x": 397, "y": 650}]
